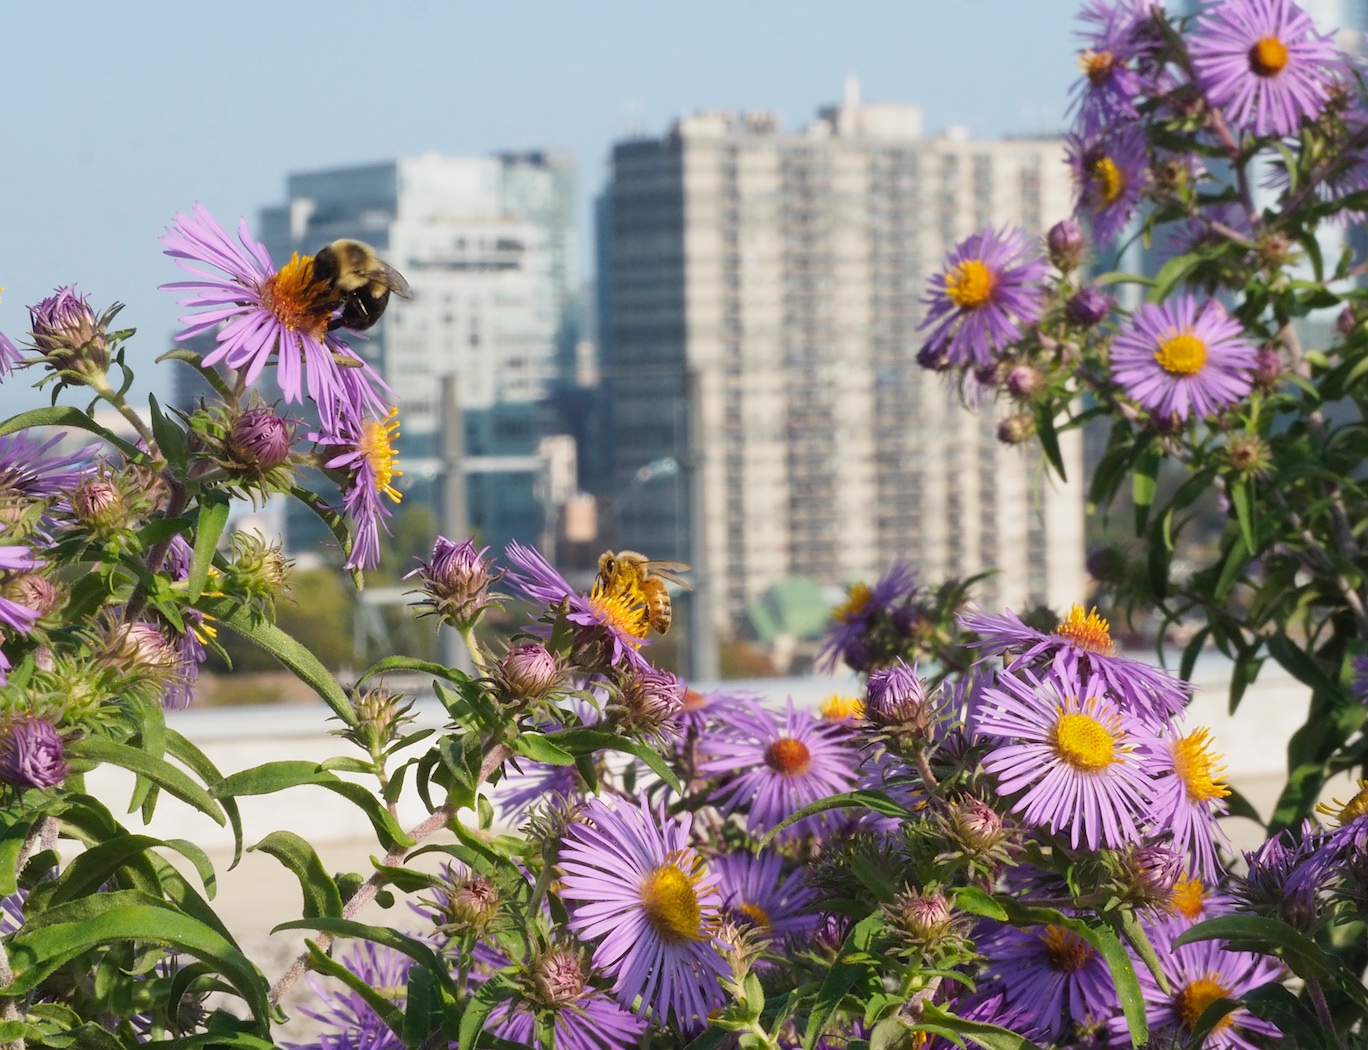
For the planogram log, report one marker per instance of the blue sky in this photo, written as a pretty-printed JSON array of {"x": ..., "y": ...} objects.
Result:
[{"x": 118, "y": 115}]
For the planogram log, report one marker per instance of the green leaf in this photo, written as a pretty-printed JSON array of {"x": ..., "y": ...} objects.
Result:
[
  {"x": 976, "y": 902},
  {"x": 1171, "y": 274},
  {"x": 1241, "y": 500},
  {"x": 68, "y": 416},
  {"x": 413, "y": 948},
  {"x": 159, "y": 771},
  {"x": 989, "y": 1036},
  {"x": 198, "y": 763},
  {"x": 385, "y": 1009},
  {"x": 60, "y": 934},
  {"x": 289, "y": 652},
  {"x": 479, "y": 1006},
  {"x": 93, "y": 868},
  {"x": 539, "y": 748},
  {"x": 1260, "y": 933},
  {"x": 320, "y": 891},
  {"x": 1144, "y": 484},
  {"x": 408, "y": 663},
  {"x": 213, "y": 516},
  {"x": 277, "y": 776},
  {"x": 877, "y": 801},
  {"x": 170, "y": 438},
  {"x": 423, "y": 1007},
  {"x": 581, "y": 741},
  {"x": 1049, "y": 439},
  {"x": 1298, "y": 1024},
  {"x": 852, "y": 966}
]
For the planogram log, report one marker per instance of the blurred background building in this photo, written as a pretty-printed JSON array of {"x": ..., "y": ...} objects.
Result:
[{"x": 759, "y": 297}]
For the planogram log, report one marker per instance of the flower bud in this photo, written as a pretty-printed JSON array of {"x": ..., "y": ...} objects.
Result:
[
  {"x": 1016, "y": 429},
  {"x": 33, "y": 591},
  {"x": 895, "y": 702},
  {"x": 990, "y": 374},
  {"x": 259, "y": 569},
  {"x": 557, "y": 978},
  {"x": 1248, "y": 455},
  {"x": 98, "y": 504},
  {"x": 856, "y": 655},
  {"x": 260, "y": 439},
  {"x": 457, "y": 580},
  {"x": 31, "y": 753},
  {"x": 1268, "y": 368},
  {"x": 1106, "y": 565},
  {"x": 380, "y": 717},
  {"x": 1347, "y": 321},
  {"x": 922, "y": 919},
  {"x": 933, "y": 357},
  {"x": 1065, "y": 243},
  {"x": 647, "y": 701},
  {"x": 69, "y": 334},
  {"x": 976, "y": 826},
  {"x": 1087, "y": 307},
  {"x": 1024, "y": 382},
  {"x": 1150, "y": 873},
  {"x": 471, "y": 905},
  {"x": 529, "y": 671}
]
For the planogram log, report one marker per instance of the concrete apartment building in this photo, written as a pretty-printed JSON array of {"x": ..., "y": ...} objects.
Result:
[
  {"x": 489, "y": 248},
  {"x": 759, "y": 302}
]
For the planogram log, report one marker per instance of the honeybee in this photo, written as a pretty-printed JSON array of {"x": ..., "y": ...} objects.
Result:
[
  {"x": 626, "y": 568},
  {"x": 360, "y": 280}
]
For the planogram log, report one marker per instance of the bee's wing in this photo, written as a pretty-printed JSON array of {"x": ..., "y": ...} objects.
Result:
[
  {"x": 390, "y": 278},
  {"x": 670, "y": 570}
]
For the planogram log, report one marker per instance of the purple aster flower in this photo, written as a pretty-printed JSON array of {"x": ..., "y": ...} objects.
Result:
[
  {"x": 350, "y": 1022},
  {"x": 1065, "y": 747},
  {"x": 621, "y": 616},
  {"x": 1088, "y": 306},
  {"x": 992, "y": 1008},
  {"x": 1106, "y": 94},
  {"x": 14, "y": 616},
  {"x": 1084, "y": 639},
  {"x": 266, "y": 312},
  {"x": 755, "y": 891},
  {"x": 862, "y": 606},
  {"x": 1359, "y": 682},
  {"x": 31, "y": 753},
  {"x": 1286, "y": 875},
  {"x": 27, "y": 471},
  {"x": 10, "y": 357},
  {"x": 1264, "y": 64},
  {"x": 1052, "y": 975},
  {"x": 1198, "y": 974},
  {"x": 1197, "y": 232},
  {"x": 583, "y": 1018},
  {"x": 1180, "y": 359},
  {"x": 645, "y": 896},
  {"x": 1109, "y": 179},
  {"x": 990, "y": 288},
  {"x": 364, "y": 450},
  {"x": 772, "y": 769},
  {"x": 1188, "y": 794},
  {"x": 896, "y": 702}
]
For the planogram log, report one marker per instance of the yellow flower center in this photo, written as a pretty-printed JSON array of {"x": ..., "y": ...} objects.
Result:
[
  {"x": 788, "y": 756},
  {"x": 1065, "y": 951},
  {"x": 1182, "y": 355},
  {"x": 1084, "y": 742},
  {"x": 670, "y": 900},
  {"x": 1196, "y": 764},
  {"x": 1108, "y": 179},
  {"x": 1096, "y": 65},
  {"x": 970, "y": 284},
  {"x": 837, "y": 708},
  {"x": 1087, "y": 631},
  {"x": 1188, "y": 899},
  {"x": 857, "y": 601},
  {"x": 1194, "y": 998},
  {"x": 621, "y": 607},
  {"x": 1345, "y": 812},
  {"x": 1268, "y": 57},
  {"x": 377, "y": 445},
  {"x": 757, "y": 915},
  {"x": 299, "y": 302}
]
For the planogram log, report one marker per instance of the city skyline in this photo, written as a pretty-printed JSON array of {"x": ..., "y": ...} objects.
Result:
[{"x": 105, "y": 148}]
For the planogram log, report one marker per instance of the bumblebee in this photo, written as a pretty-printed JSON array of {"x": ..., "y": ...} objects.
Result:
[
  {"x": 360, "y": 282},
  {"x": 626, "y": 568}
]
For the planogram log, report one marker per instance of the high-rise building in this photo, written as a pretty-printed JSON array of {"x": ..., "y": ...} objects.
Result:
[
  {"x": 760, "y": 296},
  {"x": 489, "y": 248}
]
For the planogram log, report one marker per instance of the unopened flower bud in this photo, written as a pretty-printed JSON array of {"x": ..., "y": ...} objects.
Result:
[
  {"x": 98, "y": 504},
  {"x": 856, "y": 654},
  {"x": 1150, "y": 873},
  {"x": 457, "y": 580},
  {"x": 1024, "y": 382},
  {"x": 557, "y": 978},
  {"x": 33, "y": 591},
  {"x": 1087, "y": 307},
  {"x": 975, "y": 825},
  {"x": 647, "y": 701},
  {"x": 471, "y": 905},
  {"x": 529, "y": 671},
  {"x": 259, "y": 569},
  {"x": 895, "y": 702},
  {"x": 1268, "y": 368},
  {"x": 1065, "y": 242},
  {"x": 933, "y": 357},
  {"x": 31, "y": 753},
  {"x": 1016, "y": 429},
  {"x": 259, "y": 439},
  {"x": 380, "y": 716},
  {"x": 1347, "y": 320},
  {"x": 923, "y": 917},
  {"x": 989, "y": 374},
  {"x": 1106, "y": 565},
  {"x": 69, "y": 334},
  {"x": 1248, "y": 455},
  {"x": 144, "y": 649}
]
